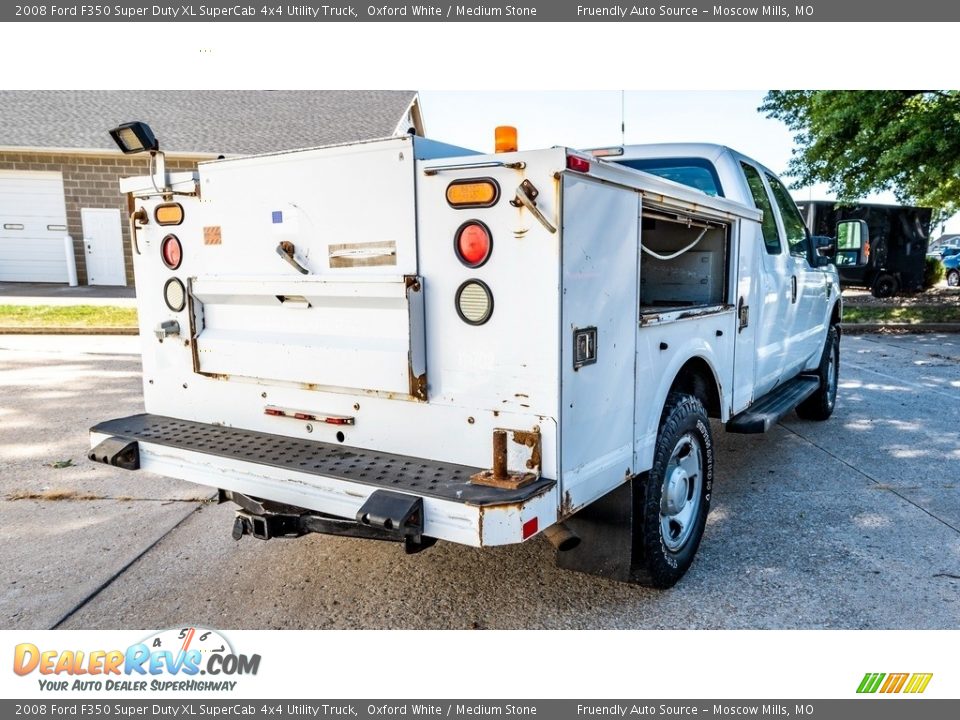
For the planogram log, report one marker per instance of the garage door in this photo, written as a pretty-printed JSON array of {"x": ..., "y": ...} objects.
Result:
[{"x": 33, "y": 221}]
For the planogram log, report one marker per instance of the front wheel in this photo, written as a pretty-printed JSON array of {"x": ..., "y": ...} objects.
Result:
[
  {"x": 953, "y": 278},
  {"x": 819, "y": 406},
  {"x": 676, "y": 492}
]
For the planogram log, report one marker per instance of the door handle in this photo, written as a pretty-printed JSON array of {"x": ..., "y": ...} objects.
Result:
[
  {"x": 743, "y": 315},
  {"x": 793, "y": 288}
]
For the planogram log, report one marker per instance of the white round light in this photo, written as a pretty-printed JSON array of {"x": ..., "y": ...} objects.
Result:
[
  {"x": 474, "y": 302},
  {"x": 175, "y": 295}
]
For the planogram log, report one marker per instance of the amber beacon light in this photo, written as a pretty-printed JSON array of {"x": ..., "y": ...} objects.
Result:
[{"x": 505, "y": 139}]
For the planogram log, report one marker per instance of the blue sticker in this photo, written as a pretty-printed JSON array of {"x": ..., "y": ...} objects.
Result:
[{"x": 277, "y": 216}]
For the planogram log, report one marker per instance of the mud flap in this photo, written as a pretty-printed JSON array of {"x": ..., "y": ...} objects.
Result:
[{"x": 609, "y": 530}]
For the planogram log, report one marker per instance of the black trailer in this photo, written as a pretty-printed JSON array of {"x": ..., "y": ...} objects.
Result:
[{"x": 880, "y": 247}]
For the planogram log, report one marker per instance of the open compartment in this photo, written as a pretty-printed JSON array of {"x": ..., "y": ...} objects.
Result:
[{"x": 684, "y": 262}]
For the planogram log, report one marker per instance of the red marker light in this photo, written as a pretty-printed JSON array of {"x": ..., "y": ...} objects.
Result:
[
  {"x": 473, "y": 243},
  {"x": 578, "y": 164},
  {"x": 171, "y": 252},
  {"x": 530, "y": 527},
  {"x": 277, "y": 412}
]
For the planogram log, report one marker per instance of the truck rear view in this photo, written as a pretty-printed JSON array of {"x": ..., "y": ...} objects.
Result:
[{"x": 404, "y": 340}]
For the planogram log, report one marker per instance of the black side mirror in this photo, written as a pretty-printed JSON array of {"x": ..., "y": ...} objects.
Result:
[
  {"x": 824, "y": 250},
  {"x": 853, "y": 243}
]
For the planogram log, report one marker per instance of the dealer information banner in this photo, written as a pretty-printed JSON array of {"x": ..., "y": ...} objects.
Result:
[
  {"x": 461, "y": 709},
  {"x": 198, "y": 671},
  {"x": 517, "y": 11}
]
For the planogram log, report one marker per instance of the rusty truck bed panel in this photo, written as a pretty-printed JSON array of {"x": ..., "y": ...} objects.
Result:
[{"x": 418, "y": 476}]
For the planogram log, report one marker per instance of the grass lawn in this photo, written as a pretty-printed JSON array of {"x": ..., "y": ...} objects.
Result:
[
  {"x": 69, "y": 316},
  {"x": 910, "y": 314}
]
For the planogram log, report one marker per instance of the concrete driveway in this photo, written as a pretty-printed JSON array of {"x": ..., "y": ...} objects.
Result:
[{"x": 852, "y": 523}]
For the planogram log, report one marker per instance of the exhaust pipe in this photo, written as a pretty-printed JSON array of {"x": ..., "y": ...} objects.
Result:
[{"x": 561, "y": 537}]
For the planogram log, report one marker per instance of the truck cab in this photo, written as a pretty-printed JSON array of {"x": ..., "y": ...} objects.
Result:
[{"x": 789, "y": 281}]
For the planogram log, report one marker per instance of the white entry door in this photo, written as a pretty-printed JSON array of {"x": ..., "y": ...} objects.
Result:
[{"x": 103, "y": 245}]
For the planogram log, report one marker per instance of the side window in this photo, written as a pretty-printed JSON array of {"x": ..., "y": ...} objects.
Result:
[
  {"x": 769, "y": 227},
  {"x": 792, "y": 222}
]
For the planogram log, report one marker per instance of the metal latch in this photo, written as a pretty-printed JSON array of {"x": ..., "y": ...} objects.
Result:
[
  {"x": 166, "y": 329},
  {"x": 119, "y": 452},
  {"x": 286, "y": 250},
  {"x": 743, "y": 315},
  {"x": 527, "y": 197}
]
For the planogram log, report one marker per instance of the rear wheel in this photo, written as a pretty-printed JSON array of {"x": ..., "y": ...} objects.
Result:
[
  {"x": 676, "y": 492},
  {"x": 819, "y": 406},
  {"x": 885, "y": 285},
  {"x": 953, "y": 278}
]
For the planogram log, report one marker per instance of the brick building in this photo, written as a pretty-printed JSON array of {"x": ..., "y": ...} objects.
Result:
[{"x": 59, "y": 169}]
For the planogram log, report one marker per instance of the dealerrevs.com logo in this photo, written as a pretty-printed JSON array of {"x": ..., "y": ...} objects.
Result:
[
  {"x": 168, "y": 660},
  {"x": 890, "y": 683}
]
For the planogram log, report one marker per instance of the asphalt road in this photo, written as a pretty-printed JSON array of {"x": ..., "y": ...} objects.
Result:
[{"x": 852, "y": 523}]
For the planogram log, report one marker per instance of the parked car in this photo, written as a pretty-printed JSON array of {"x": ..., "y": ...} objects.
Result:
[
  {"x": 945, "y": 251},
  {"x": 951, "y": 264}
]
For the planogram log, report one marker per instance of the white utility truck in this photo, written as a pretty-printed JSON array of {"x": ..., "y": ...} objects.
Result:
[{"x": 405, "y": 340}]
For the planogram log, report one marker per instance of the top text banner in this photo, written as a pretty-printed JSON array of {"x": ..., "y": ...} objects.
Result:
[{"x": 518, "y": 11}]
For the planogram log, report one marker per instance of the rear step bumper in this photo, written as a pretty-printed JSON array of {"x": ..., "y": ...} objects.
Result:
[
  {"x": 332, "y": 479},
  {"x": 767, "y": 411}
]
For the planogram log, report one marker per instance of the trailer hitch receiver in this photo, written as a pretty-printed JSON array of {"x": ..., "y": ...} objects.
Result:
[{"x": 385, "y": 515}]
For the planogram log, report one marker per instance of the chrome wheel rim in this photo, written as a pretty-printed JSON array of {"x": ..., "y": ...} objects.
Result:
[{"x": 680, "y": 494}]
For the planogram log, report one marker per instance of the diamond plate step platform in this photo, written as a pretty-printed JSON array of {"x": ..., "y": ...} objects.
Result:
[{"x": 418, "y": 476}]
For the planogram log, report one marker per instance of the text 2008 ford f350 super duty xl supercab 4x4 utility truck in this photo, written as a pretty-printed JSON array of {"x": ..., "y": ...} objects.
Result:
[{"x": 404, "y": 340}]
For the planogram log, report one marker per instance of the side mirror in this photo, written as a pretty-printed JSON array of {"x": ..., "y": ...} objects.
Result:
[
  {"x": 853, "y": 243},
  {"x": 824, "y": 250}
]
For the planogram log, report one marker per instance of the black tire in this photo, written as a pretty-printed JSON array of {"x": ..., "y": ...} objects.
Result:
[
  {"x": 953, "y": 278},
  {"x": 819, "y": 406},
  {"x": 666, "y": 555},
  {"x": 885, "y": 285}
]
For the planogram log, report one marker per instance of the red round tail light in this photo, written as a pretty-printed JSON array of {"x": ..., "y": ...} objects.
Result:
[
  {"x": 473, "y": 243},
  {"x": 171, "y": 252}
]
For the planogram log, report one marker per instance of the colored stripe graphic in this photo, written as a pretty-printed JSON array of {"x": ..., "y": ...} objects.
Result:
[
  {"x": 870, "y": 682},
  {"x": 894, "y": 683},
  {"x": 918, "y": 682}
]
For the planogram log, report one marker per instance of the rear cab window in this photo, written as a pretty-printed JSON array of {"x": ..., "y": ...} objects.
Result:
[
  {"x": 771, "y": 238},
  {"x": 693, "y": 172},
  {"x": 796, "y": 231}
]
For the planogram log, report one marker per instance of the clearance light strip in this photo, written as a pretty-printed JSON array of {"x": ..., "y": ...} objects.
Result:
[{"x": 275, "y": 411}]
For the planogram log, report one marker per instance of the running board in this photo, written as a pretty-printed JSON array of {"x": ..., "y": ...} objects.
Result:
[{"x": 767, "y": 411}]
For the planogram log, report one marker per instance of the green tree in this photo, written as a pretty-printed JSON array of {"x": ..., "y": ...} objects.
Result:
[{"x": 863, "y": 141}]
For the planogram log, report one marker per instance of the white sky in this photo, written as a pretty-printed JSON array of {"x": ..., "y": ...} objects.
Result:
[{"x": 592, "y": 118}]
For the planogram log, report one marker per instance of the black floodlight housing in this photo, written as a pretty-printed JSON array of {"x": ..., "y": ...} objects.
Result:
[{"x": 134, "y": 137}]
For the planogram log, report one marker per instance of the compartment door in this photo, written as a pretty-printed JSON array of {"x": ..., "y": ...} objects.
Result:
[
  {"x": 598, "y": 338},
  {"x": 746, "y": 299},
  {"x": 332, "y": 335}
]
